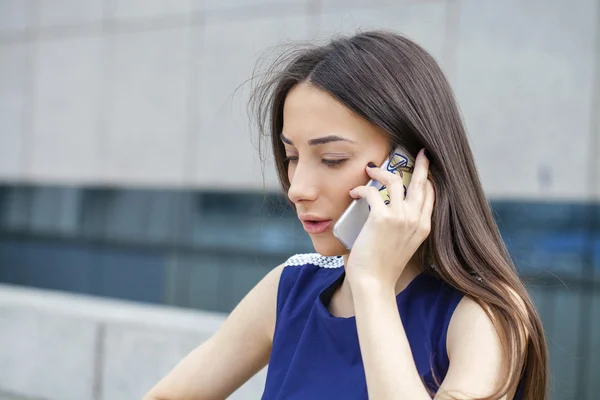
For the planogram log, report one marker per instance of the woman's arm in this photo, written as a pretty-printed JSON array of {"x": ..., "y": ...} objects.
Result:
[
  {"x": 390, "y": 370},
  {"x": 473, "y": 345},
  {"x": 395, "y": 232},
  {"x": 475, "y": 352},
  {"x": 240, "y": 349}
]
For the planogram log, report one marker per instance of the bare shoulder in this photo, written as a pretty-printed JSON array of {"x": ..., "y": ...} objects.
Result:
[
  {"x": 260, "y": 304},
  {"x": 237, "y": 351},
  {"x": 271, "y": 280},
  {"x": 471, "y": 320},
  {"x": 269, "y": 287},
  {"x": 477, "y": 358}
]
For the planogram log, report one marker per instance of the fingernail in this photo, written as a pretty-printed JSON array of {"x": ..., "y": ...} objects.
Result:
[
  {"x": 371, "y": 165},
  {"x": 427, "y": 154}
]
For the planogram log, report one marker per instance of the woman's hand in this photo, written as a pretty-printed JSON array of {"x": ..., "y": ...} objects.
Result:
[{"x": 392, "y": 233}]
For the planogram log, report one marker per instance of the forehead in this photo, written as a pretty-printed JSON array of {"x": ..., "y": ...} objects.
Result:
[{"x": 310, "y": 112}]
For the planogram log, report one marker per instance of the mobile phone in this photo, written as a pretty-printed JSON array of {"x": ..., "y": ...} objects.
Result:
[{"x": 347, "y": 228}]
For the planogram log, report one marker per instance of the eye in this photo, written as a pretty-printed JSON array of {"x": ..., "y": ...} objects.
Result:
[
  {"x": 334, "y": 163},
  {"x": 329, "y": 163}
]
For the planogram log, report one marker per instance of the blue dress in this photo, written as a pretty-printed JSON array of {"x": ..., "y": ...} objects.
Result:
[{"x": 317, "y": 356}]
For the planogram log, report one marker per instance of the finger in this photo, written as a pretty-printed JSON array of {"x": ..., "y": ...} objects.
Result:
[
  {"x": 371, "y": 195},
  {"x": 382, "y": 176},
  {"x": 428, "y": 203},
  {"x": 416, "y": 189},
  {"x": 392, "y": 182}
]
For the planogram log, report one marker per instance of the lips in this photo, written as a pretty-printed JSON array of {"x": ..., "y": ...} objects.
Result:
[{"x": 316, "y": 226}]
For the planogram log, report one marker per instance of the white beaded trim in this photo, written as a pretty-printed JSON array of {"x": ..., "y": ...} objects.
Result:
[{"x": 315, "y": 259}]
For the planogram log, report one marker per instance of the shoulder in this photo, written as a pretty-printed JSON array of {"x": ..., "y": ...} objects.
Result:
[
  {"x": 431, "y": 296},
  {"x": 314, "y": 260},
  {"x": 301, "y": 263},
  {"x": 309, "y": 267},
  {"x": 474, "y": 350},
  {"x": 473, "y": 323},
  {"x": 303, "y": 275},
  {"x": 470, "y": 321},
  {"x": 478, "y": 359}
]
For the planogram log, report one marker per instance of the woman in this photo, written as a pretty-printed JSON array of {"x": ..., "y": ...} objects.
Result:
[{"x": 427, "y": 303}]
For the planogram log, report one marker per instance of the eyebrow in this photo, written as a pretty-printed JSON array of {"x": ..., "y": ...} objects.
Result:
[{"x": 321, "y": 140}]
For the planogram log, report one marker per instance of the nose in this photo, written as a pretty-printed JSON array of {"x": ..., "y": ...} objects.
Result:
[{"x": 303, "y": 185}]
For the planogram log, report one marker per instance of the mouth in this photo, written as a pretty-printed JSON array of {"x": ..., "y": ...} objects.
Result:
[{"x": 316, "y": 226}]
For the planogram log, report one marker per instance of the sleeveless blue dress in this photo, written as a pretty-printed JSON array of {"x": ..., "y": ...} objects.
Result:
[{"x": 317, "y": 356}]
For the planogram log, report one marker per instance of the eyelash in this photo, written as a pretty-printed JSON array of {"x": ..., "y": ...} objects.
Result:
[{"x": 329, "y": 163}]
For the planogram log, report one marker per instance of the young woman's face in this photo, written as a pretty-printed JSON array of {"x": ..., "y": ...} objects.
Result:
[{"x": 328, "y": 148}]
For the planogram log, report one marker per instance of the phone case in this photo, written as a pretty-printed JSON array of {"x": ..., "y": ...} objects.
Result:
[{"x": 349, "y": 225}]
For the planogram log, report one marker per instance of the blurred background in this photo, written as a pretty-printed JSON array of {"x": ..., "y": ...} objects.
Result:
[{"x": 134, "y": 212}]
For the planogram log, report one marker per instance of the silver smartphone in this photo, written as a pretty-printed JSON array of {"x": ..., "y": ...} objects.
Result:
[{"x": 349, "y": 225}]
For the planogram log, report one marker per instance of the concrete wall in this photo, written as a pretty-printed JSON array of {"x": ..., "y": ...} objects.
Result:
[
  {"x": 142, "y": 92},
  {"x": 56, "y": 346}
]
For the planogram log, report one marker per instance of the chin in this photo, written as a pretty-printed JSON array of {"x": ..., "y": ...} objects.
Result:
[{"x": 328, "y": 245}]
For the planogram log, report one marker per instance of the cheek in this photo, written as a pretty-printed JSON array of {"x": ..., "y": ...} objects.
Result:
[
  {"x": 348, "y": 180},
  {"x": 357, "y": 176}
]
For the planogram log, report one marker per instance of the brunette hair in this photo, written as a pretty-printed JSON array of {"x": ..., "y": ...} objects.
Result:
[{"x": 396, "y": 85}]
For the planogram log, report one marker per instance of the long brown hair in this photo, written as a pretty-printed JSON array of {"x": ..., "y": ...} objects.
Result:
[{"x": 396, "y": 85}]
